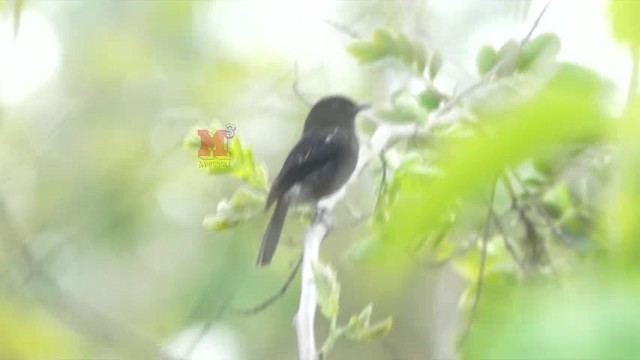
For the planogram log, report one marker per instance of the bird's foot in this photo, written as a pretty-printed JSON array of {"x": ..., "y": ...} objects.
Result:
[{"x": 323, "y": 216}]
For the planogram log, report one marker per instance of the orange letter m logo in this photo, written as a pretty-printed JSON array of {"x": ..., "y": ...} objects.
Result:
[{"x": 212, "y": 145}]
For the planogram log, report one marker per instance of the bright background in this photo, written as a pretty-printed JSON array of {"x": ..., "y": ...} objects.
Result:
[{"x": 95, "y": 100}]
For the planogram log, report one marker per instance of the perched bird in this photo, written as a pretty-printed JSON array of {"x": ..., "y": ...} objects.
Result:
[{"x": 318, "y": 165}]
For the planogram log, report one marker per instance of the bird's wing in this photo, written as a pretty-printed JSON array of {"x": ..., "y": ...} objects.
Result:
[{"x": 307, "y": 155}]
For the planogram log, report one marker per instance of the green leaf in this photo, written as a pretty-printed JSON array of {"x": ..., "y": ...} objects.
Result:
[
  {"x": 406, "y": 107},
  {"x": 242, "y": 207},
  {"x": 487, "y": 58},
  {"x": 365, "y": 316},
  {"x": 624, "y": 20},
  {"x": 383, "y": 40},
  {"x": 359, "y": 328},
  {"x": 405, "y": 49},
  {"x": 245, "y": 198},
  {"x": 328, "y": 289},
  {"x": 218, "y": 223},
  {"x": 575, "y": 223},
  {"x": 261, "y": 178},
  {"x": 545, "y": 46},
  {"x": 366, "y": 52},
  {"x": 497, "y": 257},
  {"x": 535, "y": 183},
  {"x": 429, "y": 100},
  {"x": 375, "y": 331},
  {"x": 557, "y": 200},
  {"x": 368, "y": 126},
  {"x": 420, "y": 55},
  {"x": 358, "y": 323},
  {"x": 508, "y": 56},
  {"x": 435, "y": 64}
]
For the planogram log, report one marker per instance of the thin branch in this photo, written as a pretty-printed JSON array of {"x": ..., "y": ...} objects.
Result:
[
  {"x": 383, "y": 176},
  {"x": 483, "y": 261},
  {"x": 382, "y": 187},
  {"x": 273, "y": 298},
  {"x": 535, "y": 250},
  {"x": 205, "y": 328},
  {"x": 196, "y": 311},
  {"x": 498, "y": 66},
  {"x": 535, "y": 24},
  {"x": 79, "y": 316},
  {"x": 342, "y": 28},
  {"x": 550, "y": 222},
  {"x": 539, "y": 208},
  {"x": 507, "y": 242}
]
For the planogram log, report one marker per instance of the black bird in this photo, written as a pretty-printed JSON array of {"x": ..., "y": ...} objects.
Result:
[{"x": 317, "y": 166}]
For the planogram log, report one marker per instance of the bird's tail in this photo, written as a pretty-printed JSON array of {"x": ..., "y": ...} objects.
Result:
[{"x": 272, "y": 234}]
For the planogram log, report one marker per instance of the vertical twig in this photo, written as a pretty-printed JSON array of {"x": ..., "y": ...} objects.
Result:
[
  {"x": 535, "y": 251},
  {"x": 507, "y": 242},
  {"x": 483, "y": 261},
  {"x": 305, "y": 318}
]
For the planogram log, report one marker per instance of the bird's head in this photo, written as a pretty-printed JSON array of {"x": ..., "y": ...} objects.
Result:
[{"x": 331, "y": 112}]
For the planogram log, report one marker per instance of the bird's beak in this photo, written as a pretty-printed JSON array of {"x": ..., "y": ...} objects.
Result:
[{"x": 364, "y": 106}]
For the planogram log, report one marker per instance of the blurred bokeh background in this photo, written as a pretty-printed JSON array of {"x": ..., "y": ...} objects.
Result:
[{"x": 103, "y": 252}]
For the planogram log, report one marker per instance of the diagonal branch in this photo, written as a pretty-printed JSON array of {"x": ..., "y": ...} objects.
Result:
[
  {"x": 273, "y": 298},
  {"x": 79, "y": 316},
  {"x": 507, "y": 242},
  {"x": 342, "y": 28}
]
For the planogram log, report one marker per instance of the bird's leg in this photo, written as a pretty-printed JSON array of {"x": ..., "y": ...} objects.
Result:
[{"x": 323, "y": 215}]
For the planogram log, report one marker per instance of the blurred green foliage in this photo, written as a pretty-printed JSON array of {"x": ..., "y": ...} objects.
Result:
[
  {"x": 565, "y": 111},
  {"x": 519, "y": 313},
  {"x": 592, "y": 317},
  {"x": 624, "y": 20},
  {"x": 103, "y": 206},
  {"x": 20, "y": 323}
]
